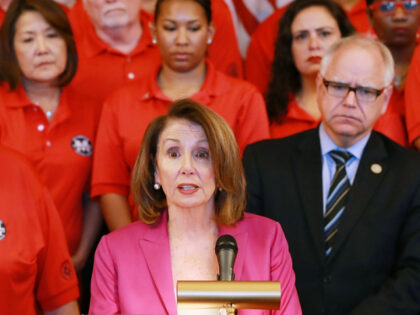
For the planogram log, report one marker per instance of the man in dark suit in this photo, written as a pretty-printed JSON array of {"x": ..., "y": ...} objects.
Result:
[{"x": 348, "y": 198}]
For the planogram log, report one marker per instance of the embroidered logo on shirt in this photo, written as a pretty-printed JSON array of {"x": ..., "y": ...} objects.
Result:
[
  {"x": 2, "y": 230},
  {"x": 82, "y": 145},
  {"x": 66, "y": 270}
]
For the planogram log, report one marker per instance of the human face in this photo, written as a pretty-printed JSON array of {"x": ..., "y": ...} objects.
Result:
[
  {"x": 182, "y": 34},
  {"x": 40, "y": 51},
  {"x": 106, "y": 14},
  {"x": 397, "y": 27},
  {"x": 184, "y": 167},
  {"x": 347, "y": 120},
  {"x": 314, "y": 30}
]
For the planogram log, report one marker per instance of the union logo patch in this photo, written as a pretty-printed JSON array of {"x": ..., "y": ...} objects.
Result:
[
  {"x": 2, "y": 230},
  {"x": 82, "y": 145}
]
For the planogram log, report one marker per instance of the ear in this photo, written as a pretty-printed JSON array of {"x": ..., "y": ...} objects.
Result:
[
  {"x": 211, "y": 32},
  {"x": 152, "y": 28},
  {"x": 387, "y": 97}
]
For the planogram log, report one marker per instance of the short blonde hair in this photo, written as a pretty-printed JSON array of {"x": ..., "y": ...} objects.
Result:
[
  {"x": 224, "y": 151},
  {"x": 363, "y": 42}
]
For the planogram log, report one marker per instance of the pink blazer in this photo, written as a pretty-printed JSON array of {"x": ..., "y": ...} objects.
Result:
[{"x": 132, "y": 272}]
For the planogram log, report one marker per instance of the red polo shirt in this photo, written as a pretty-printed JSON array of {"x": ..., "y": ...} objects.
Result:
[
  {"x": 128, "y": 111},
  {"x": 103, "y": 69},
  {"x": 35, "y": 268},
  {"x": 391, "y": 123},
  {"x": 260, "y": 54},
  {"x": 412, "y": 96},
  {"x": 61, "y": 150}
]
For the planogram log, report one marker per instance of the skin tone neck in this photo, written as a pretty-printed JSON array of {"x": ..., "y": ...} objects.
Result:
[
  {"x": 177, "y": 85},
  {"x": 347, "y": 4},
  {"x": 306, "y": 97},
  {"x": 43, "y": 94},
  {"x": 124, "y": 38},
  {"x": 191, "y": 221}
]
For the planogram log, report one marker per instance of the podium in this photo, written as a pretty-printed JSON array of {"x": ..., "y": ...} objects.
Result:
[{"x": 231, "y": 295}]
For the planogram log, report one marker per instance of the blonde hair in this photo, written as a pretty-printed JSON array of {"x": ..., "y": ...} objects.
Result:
[{"x": 366, "y": 43}]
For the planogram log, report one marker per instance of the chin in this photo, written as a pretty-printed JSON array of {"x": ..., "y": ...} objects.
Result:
[{"x": 115, "y": 22}]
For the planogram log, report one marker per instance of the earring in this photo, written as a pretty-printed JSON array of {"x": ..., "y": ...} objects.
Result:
[
  {"x": 156, "y": 186},
  {"x": 209, "y": 41},
  {"x": 220, "y": 188},
  {"x": 154, "y": 41}
]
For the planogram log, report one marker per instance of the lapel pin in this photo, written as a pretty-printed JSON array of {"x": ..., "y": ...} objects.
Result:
[{"x": 376, "y": 168}]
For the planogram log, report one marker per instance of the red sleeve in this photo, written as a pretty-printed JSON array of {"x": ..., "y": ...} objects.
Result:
[
  {"x": 57, "y": 280},
  {"x": 252, "y": 121},
  {"x": 110, "y": 171},
  {"x": 260, "y": 53},
  {"x": 224, "y": 50},
  {"x": 412, "y": 96}
]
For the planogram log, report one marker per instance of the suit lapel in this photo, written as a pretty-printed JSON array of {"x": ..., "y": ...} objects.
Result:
[
  {"x": 364, "y": 187},
  {"x": 307, "y": 166},
  {"x": 241, "y": 237},
  {"x": 155, "y": 247}
]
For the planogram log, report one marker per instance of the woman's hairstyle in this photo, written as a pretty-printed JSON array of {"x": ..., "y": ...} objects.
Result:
[
  {"x": 205, "y": 4},
  {"x": 228, "y": 172},
  {"x": 365, "y": 43},
  {"x": 54, "y": 16},
  {"x": 285, "y": 77}
]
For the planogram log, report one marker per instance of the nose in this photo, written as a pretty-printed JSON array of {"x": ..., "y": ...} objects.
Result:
[
  {"x": 41, "y": 44},
  {"x": 350, "y": 99},
  {"x": 313, "y": 41},
  {"x": 187, "y": 167},
  {"x": 181, "y": 36},
  {"x": 399, "y": 13}
]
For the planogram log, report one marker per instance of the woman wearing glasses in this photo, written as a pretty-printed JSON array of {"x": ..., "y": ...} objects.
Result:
[
  {"x": 308, "y": 28},
  {"x": 396, "y": 24}
]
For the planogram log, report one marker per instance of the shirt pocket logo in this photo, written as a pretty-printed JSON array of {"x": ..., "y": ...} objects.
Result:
[
  {"x": 82, "y": 145},
  {"x": 2, "y": 230}
]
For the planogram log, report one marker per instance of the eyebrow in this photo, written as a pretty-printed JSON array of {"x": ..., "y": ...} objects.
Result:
[
  {"x": 177, "y": 140},
  {"x": 175, "y": 21}
]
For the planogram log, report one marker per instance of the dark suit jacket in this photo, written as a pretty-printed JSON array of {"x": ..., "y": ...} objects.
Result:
[{"x": 374, "y": 267}]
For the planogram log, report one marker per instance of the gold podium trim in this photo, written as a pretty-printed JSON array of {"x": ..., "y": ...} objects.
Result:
[{"x": 224, "y": 294}]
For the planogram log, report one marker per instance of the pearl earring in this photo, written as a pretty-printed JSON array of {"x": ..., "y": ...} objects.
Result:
[
  {"x": 209, "y": 41},
  {"x": 154, "y": 41},
  {"x": 156, "y": 186}
]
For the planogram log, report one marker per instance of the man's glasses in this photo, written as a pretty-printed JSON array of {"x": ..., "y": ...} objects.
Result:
[
  {"x": 390, "y": 6},
  {"x": 341, "y": 90}
]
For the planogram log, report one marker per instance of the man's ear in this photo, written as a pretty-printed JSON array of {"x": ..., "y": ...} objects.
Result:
[{"x": 387, "y": 97}]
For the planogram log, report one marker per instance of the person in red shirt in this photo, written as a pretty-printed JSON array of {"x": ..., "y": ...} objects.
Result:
[
  {"x": 260, "y": 54},
  {"x": 412, "y": 108},
  {"x": 396, "y": 25},
  {"x": 309, "y": 28},
  {"x": 35, "y": 267},
  {"x": 45, "y": 120},
  {"x": 182, "y": 31},
  {"x": 116, "y": 48}
]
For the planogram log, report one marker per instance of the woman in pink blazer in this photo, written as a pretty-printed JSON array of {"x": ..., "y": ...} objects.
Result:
[{"x": 189, "y": 184}]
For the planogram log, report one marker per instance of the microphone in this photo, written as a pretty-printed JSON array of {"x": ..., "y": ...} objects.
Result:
[{"x": 226, "y": 250}]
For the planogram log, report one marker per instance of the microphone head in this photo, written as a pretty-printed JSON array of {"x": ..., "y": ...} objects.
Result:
[
  {"x": 226, "y": 250},
  {"x": 226, "y": 241}
]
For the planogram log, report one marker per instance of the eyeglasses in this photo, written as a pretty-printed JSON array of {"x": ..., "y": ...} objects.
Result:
[
  {"x": 341, "y": 90},
  {"x": 390, "y": 6}
]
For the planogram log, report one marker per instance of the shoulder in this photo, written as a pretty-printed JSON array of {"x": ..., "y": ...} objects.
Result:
[
  {"x": 127, "y": 235},
  {"x": 282, "y": 146},
  {"x": 260, "y": 227}
]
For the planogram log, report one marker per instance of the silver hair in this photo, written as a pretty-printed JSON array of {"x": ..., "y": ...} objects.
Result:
[{"x": 363, "y": 42}]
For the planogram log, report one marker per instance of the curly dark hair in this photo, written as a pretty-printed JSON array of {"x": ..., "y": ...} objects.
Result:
[{"x": 285, "y": 78}]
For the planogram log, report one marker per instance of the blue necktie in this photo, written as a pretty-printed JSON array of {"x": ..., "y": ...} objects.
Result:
[{"x": 337, "y": 197}]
